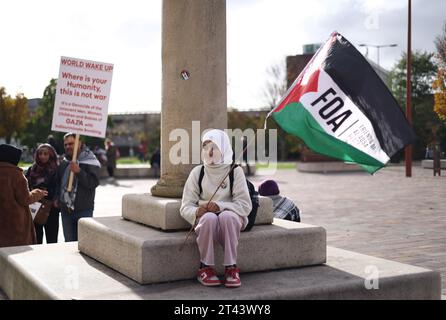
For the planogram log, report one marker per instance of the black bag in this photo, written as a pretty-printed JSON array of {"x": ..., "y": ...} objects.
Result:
[{"x": 253, "y": 194}]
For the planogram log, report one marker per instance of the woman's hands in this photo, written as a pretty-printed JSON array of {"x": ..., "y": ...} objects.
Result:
[
  {"x": 40, "y": 193},
  {"x": 213, "y": 207},
  {"x": 204, "y": 208}
]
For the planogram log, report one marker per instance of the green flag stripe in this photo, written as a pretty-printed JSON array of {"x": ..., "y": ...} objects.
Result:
[{"x": 295, "y": 119}]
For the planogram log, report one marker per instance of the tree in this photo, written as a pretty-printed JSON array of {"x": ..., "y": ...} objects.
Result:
[
  {"x": 275, "y": 87},
  {"x": 425, "y": 120},
  {"x": 440, "y": 43},
  {"x": 423, "y": 73},
  {"x": 439, "y": 84},
  {"x": 274, "y": 90},
  {"x": 39, "y": 126},
  {"x": 13, "y": 114}
]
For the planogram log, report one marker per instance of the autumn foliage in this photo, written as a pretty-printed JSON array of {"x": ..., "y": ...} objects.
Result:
[
  {"x": 13, "y": 114},
  {"x": 440, "y": 94}
]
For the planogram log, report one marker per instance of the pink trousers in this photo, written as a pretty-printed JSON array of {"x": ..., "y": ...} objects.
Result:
[{"x": 225, "y": 229}]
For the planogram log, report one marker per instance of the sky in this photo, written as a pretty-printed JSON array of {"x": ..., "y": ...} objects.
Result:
[{"x": 260, "y": 34}]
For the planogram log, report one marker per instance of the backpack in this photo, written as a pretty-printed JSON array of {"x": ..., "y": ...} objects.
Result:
[{"x": 253, "y": 194}]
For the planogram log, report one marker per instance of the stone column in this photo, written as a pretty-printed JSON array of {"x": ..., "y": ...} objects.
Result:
[{"x": 193, "y": 39}]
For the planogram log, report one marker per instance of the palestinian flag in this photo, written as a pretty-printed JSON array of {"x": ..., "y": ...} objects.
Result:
[{"x": 340, "y": 107}]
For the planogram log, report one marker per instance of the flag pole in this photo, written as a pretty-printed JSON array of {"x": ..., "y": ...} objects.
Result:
[{"x": 408, "y": 149}]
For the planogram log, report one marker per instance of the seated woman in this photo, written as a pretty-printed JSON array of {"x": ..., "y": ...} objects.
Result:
[{"x": 225, "y": 216}]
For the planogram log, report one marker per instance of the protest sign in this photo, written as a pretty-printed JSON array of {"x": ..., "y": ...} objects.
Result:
[{"x": 83, "y": 91}]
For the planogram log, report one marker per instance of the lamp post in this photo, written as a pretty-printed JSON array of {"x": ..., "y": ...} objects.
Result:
[
  {"x": 408, "y": 149},
  {"x": 378, "y": 46}
]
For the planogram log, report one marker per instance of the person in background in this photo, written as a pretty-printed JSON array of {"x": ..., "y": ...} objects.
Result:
[
  {"x": 79, "y": 202},
  {"x": 52, "y": 141},
  {"x": 283, "y": 207},
  {"x": 142, "y": 150},
  {"x": 43, "y": 175},
  {"x": 16, "y": 224},
  {"x": 112, "y": 154},
  {"x": 155, "y": 163},
  {"x": 100, "y": 154}
]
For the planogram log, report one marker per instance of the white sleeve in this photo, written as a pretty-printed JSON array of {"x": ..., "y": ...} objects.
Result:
[
  {"x": 241, "y": 201},
  {"x": 191, "y": 196}
]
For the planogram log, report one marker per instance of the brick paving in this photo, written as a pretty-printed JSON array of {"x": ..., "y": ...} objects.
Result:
[{"x": 386, "y": 215}]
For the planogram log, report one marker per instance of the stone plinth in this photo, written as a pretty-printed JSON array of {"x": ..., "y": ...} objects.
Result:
[
  {"x": 59, "y": 271},
  {"x": 148, "y": 255},
  {"x": 164, "y": 213}
]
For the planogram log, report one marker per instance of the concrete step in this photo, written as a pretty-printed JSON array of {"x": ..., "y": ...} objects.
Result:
[
  {"x": 164, "y": 213},
  {"x": 148, "y": 255},
  {"x": 59, "y": 271}
]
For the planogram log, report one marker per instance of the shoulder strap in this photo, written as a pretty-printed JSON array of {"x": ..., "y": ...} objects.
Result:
[
  {"x": 231, "y": 178},
  {"x": 200, "y": 179}
]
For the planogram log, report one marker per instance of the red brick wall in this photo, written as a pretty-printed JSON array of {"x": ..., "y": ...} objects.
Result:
[{"x": 294, "y": 65}]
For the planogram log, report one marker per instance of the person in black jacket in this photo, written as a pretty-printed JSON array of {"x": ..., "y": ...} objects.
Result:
[
  {"x": 43, "y": 175},
  {"x": 79, "y": 202},
  {"x": 155, "y": 163}
]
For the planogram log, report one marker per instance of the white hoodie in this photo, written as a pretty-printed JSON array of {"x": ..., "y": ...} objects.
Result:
[{"x": 239, "y": 202}]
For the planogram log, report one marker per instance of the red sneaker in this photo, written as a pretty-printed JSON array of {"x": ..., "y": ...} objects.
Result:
[
  {"x": 207, "y": 277},
  {"x": 232, "y": 277}
]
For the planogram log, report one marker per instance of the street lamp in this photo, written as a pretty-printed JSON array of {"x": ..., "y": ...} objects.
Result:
[
  {"x": 377, "y": 46},
  {"x": 408, "y": 149}
]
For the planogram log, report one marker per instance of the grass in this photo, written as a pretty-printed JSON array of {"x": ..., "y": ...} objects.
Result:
[
  {"x": 128, "y": 160},
  {"x": 134, "y": 160},
  {"x": 280, "y": 165},
  {"x": 124, "y": 160},
  {"x": 24, "y": 165}
]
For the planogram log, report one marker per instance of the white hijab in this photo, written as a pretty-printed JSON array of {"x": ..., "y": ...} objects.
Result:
[{"x": 221, "y": 140}]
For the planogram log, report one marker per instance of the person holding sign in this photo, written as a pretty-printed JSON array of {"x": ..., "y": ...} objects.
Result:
[
  {"x": 79, "y": 201},
  {"x": 42, "y": 175},
  {"x": 16, "y": 224}
]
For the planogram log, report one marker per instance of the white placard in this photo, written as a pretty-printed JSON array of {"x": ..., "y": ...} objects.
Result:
[
  {"x": 34, "y": 208},
  {"x": 83, "y": 91}
]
